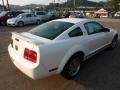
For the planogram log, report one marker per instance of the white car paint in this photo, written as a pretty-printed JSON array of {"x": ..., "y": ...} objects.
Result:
[{"x": 52, "y": 55}]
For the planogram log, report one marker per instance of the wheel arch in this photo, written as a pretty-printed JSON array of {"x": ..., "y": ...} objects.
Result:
[
  {"x": 20, "y": 21},
  {"x": 67, "y": 58},
  {"x": 115, "y": 35}
]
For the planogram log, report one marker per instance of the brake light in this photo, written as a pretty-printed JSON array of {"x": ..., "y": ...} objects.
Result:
[{"x": 30, "y": 55}]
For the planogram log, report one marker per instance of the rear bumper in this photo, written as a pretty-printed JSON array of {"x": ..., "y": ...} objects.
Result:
[{"x": 35, "y": 73}]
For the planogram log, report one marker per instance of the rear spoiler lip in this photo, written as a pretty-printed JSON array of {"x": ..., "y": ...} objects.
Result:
[{"x": 27, "y": 39}]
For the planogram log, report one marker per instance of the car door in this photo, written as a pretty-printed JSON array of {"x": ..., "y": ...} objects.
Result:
[
  {"x": 28, "y": 19},
  {"x": 97, "y": 38},
  {"x": 46, "y": 16},
  {"x": 40, "y": 15},
  {"x": 34, "y": 18}
]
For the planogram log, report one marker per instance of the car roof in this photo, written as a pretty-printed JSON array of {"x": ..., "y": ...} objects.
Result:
[
  {"x": 74, "y": 20},
  {"x": 26, "y": 13},
  {"x": 39, "y": 11}
]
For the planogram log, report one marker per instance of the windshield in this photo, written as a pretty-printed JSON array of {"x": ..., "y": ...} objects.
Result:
[
  {"x": 51, "y": 30},
  {"x": 3, "y": 14}
]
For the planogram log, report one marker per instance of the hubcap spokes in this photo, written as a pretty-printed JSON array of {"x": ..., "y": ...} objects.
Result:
[{"x": 74, "y": 67}]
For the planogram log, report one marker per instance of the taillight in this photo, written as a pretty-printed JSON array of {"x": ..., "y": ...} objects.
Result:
[{"x": 30, "y": 55}]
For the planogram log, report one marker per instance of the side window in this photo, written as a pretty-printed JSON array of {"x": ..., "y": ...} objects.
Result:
[
  {"x": 33, "y": 15},
  {"x": 40, "y": 13},
  {"x": 93, "y": 27},
  {"x": 76, "y": 32},
  {"x": 28, "y": 15}
]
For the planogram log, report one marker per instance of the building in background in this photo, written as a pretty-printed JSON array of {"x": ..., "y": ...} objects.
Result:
[{"x": 102, "y": 13}]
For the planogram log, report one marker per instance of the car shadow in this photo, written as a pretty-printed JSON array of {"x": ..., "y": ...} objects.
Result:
[{"x": 101, "y": 72}]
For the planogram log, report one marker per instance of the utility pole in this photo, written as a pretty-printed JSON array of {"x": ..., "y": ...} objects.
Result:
[
  {"x": 54, "y": 4},
  {"x": 66, "y": 3},
  {"x": 119, "y": 5},
  {"x": 58, "y": 5},
  {"x": 74, "y": 4},
  {"x": 3, "y": 5},
  {"x": 8, "y": 5}
]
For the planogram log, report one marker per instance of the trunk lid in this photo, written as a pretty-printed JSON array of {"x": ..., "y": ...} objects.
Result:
[{"x": 21, "y": 41}]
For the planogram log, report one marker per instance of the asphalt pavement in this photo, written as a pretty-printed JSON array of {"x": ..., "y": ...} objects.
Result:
[{"x": 101, "y": 72}]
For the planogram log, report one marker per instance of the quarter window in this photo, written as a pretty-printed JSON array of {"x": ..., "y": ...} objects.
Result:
[
  {"x": 93, "y": 27},
  {"x": 76, "y": 32}
]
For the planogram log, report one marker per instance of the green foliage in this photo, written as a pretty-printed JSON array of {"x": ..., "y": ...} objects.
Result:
[
  {"x": 70, "y": 3},
  {"x": 116, "y": 4}
]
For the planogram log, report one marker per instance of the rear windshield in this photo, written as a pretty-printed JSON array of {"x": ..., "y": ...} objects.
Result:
[{"x": 51, "y": 30}]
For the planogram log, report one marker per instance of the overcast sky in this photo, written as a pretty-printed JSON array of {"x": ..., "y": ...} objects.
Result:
[{"x": 23, "y": 2}]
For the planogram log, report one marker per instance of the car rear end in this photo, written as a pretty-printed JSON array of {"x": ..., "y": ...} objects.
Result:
[{"x": 25, "y": 54}]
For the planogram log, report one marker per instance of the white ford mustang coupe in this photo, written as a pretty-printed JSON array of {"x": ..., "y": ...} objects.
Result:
[{"x": 59, "y": 46}]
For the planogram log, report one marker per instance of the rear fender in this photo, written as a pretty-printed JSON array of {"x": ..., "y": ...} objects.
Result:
[{"x": 68, "y": 55}]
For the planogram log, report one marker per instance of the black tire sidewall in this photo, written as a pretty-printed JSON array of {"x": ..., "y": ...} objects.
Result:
[
  {"x": 21, "y": 24},
  {"x": 38, "y": 22},
  {"x": 65, "y": 72},
  {"x": 115, "y": 39}
]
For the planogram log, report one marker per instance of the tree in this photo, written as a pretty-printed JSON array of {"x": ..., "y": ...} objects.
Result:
[
  {"x": 8, "y": 7},
  {"x": 115, "y": 4},
  {"x": 3, "y": 5}
]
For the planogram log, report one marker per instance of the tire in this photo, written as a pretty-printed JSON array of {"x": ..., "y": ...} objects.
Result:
[
  {"x": 20, "y": 24},
  {"x": 72, "y": 68},
  {"x": 38, "y": 22},
  {"x": 114, "y": 42}
]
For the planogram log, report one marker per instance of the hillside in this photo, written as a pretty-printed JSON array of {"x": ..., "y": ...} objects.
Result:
[
  {"x": 27, "y": 7},
  {"x": 84, "y": 3}
]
